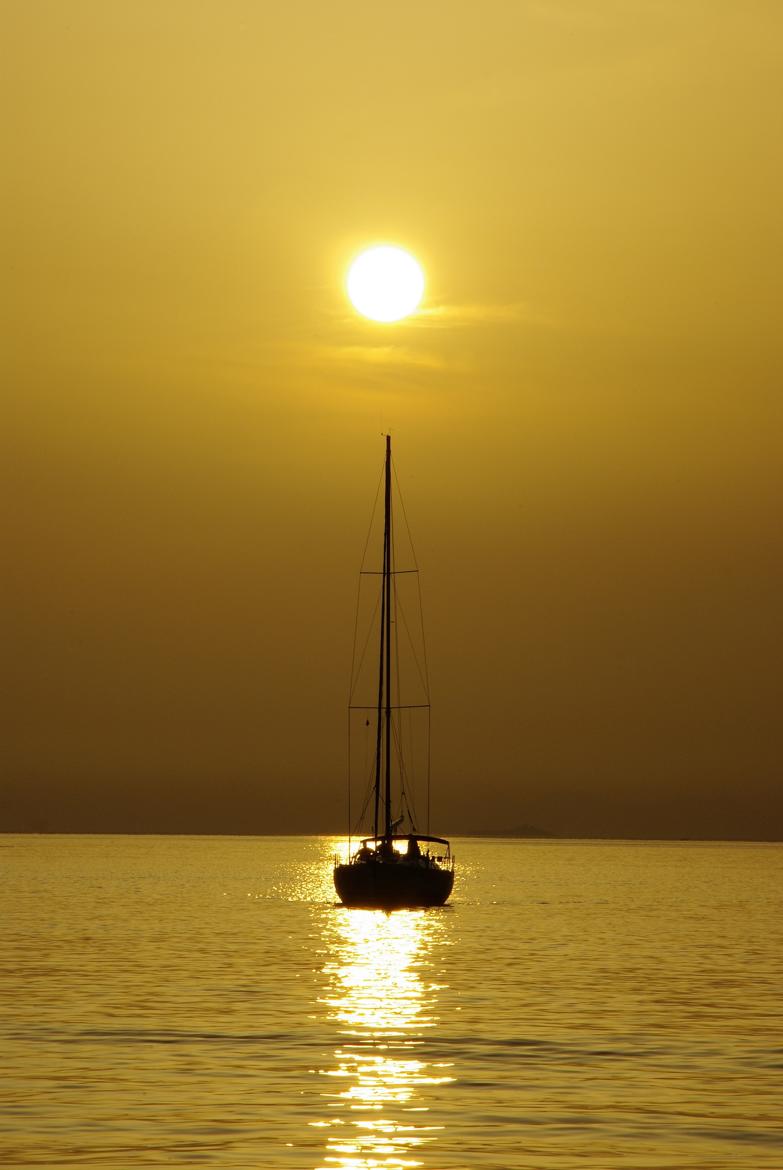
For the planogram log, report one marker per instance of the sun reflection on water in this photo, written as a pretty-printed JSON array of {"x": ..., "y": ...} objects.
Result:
[{"x": 381, "y": 994}]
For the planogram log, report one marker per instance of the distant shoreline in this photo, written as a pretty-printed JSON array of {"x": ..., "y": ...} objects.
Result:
[{"x": 475, "y": 836}]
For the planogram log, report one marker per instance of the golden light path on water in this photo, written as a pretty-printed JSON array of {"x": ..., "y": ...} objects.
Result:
[{"x": 381, "y": 996}]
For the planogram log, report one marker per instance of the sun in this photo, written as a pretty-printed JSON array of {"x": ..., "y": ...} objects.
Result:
[{"x": 385, "y": 283}]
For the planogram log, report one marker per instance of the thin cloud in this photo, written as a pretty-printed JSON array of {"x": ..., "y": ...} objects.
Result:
[
  {"x": 387, "y": 355},
  {"x": 477, "y": 314}
]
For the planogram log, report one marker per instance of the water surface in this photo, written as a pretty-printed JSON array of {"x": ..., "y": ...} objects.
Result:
[{"x": 201, "y": 1001}]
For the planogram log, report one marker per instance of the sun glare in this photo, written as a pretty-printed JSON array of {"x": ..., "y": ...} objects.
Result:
[{"x": 385, "y": 283}]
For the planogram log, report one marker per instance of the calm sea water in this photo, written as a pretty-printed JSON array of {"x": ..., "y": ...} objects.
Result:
[{"x": 202, "y": 1002}]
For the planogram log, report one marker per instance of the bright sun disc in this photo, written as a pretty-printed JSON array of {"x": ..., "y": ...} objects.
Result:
[{"x": 385, "y": 283}]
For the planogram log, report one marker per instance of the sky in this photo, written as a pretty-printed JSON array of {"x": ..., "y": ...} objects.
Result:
[{"x": 586, "y": 410}]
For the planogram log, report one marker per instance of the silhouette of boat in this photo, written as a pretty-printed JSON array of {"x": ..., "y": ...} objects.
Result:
[{"x": 392, "y": 870}]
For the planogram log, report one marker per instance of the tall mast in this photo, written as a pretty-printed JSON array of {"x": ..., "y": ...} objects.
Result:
[
  {"x": 387, "y": 616},
  {"x": 384, "y": 665},
  {"x": 379, "y": 723}
]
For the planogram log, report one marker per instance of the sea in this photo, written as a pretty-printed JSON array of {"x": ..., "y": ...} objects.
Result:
[{"x": 202, "y": 1002}]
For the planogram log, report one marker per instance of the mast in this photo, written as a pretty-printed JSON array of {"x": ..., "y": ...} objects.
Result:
[
  {"x": 379, "y": 723},
  {"x": 384, "y": 664},
  {"x": 387, "y": 831}
]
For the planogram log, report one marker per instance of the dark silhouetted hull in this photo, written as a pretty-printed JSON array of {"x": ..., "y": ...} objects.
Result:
[{"x": 392, "y": 886}]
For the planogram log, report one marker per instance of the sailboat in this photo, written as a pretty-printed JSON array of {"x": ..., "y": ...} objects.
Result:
[{"x": 391, "y": 869}]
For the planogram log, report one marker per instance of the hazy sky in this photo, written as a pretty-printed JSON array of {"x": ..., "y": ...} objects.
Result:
[{"x": 586, "y": 413}]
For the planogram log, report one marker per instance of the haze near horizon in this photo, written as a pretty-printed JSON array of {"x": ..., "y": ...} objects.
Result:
[{"x": 586, "y": 408}]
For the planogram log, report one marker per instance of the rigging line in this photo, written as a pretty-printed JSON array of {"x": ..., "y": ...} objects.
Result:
[
  {"x": 356, "y": 673},
  {"x": 379, "y": 573},
  {"x": 410, "y": 807},
  {"x": 357, "y": 826},
  {"x": 352, "y": 683},
  {"x": 358, "y": 591},
  {"x": 397, "y": 728},
  {"x": 423, "y": 641},
  {"x": 422, "y": 674},
  {"x": 396, "y": 622},
  {"x": 372, "y": 518},
  {"x": 409, "y": 797},
  {"x": 398, "y": 750},
  {"x": 400, "y": 610},
  {"x": 416, "y": 563},
  {"x": 412, "y": 794},
  {"x": 429, "y": 758},
  {"x": 411, "y": 813},
  {"x": 368, "y": 793},
  {"x": 404, "y": 515},
  {"x": 413, "y": 758},
  {"x": 369, "y": 782},
  {"x": 384, "y": 614}
]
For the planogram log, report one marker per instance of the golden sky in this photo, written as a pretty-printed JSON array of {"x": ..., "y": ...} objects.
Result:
[{"x": 586, "y": 412}]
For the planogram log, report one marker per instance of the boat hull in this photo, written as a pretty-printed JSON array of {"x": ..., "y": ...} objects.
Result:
[{"x": 392, "y": 886}]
